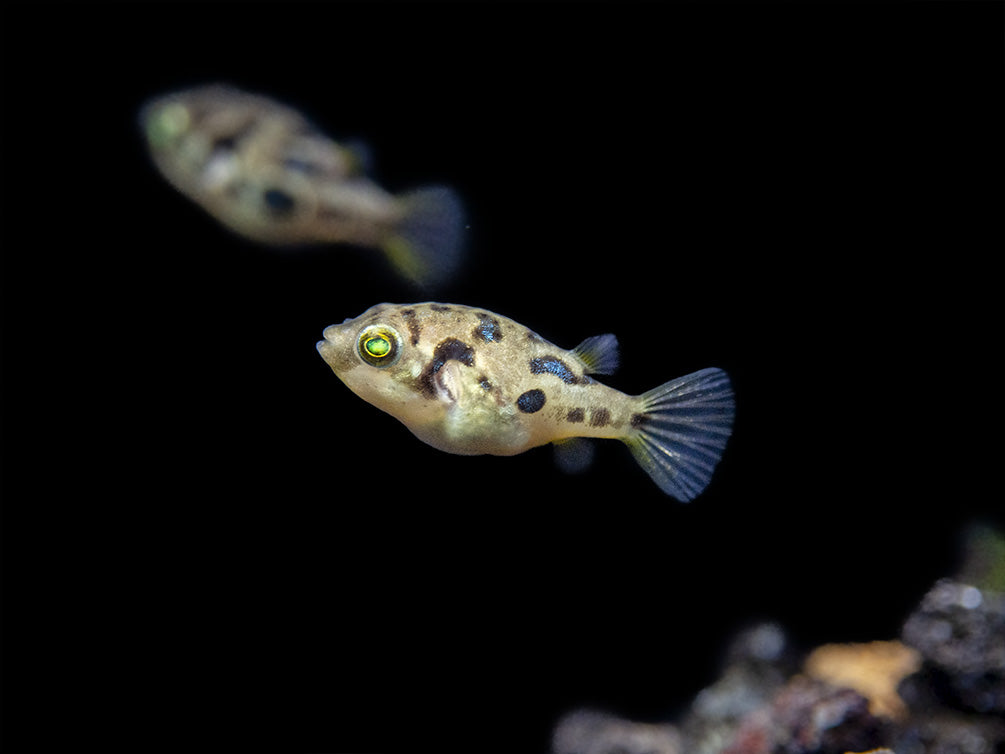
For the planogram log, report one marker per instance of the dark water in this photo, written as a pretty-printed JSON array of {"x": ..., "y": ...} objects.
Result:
[{"x": 210, "y": 544}]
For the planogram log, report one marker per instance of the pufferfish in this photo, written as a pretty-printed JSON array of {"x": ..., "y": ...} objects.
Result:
[
  {"x": 469, "y": 381},
  {"x": 265, "y": 172}
]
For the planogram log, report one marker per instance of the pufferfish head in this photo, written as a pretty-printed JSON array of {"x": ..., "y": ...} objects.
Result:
[
  {"x": 214, "y": 112},
  {"x": 174, "y": 126},
  {"x": 165, "y": 122},
  {"x": 374, "y": 356},
  {"x": 208, "y": 142}
]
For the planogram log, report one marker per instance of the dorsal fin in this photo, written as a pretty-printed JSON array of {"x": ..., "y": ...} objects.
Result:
[{"x": 599, "y": 354}]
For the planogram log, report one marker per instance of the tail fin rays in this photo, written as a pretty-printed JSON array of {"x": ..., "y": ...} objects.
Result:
[
  {"x": 428, "y": 244},
  {"x": 681, "y": 433}
]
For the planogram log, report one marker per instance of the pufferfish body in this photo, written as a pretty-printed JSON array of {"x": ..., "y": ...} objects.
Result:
[
  {"x": 264, "y": 171},
  {"x": 469, "y": 381}
]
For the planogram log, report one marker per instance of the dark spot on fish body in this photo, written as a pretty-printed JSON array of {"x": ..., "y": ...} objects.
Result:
[
  {"x": 412, "y": 322},
  {"x": 639, "y": 420},
  {"x": 531, "y": 402},
  {"x": 555, "y": 366},
  {"x": 575, "y": 416},
  {"x": 223, "y": 146},
  {"x": 440, "y": 308},
  {"x": 226, "y": 143},
  {"x": 600, "y": 417},
  {"x": 483, "y": 383},
  {"x": 300, "y": 165},
  {"x": 488, "y": 329},
  {"x": 278, "y": 202},
  {"x": 455, "y": 349}
]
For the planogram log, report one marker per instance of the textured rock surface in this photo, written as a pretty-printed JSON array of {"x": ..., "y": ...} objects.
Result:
[
  {"x": 960, "y": 631},
  {"x": 874, "y": 670},
  {"x": 941, "y": 690},
  {"x": 592, "y": 732}
]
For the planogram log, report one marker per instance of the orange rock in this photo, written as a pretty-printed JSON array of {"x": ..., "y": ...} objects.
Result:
[{"x": 873, "y": 669}]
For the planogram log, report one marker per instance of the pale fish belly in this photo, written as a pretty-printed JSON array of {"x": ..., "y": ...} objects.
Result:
[{"x": 486, "y": 418}]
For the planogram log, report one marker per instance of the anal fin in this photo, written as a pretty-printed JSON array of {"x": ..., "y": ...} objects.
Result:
[{"x": 573, "y": 455}]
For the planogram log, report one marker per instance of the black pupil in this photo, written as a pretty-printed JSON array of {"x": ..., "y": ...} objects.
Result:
[{"x": 277, "y": 201}]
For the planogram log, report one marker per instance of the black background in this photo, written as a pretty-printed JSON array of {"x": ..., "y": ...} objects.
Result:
[{"x": 198, "y": 552}]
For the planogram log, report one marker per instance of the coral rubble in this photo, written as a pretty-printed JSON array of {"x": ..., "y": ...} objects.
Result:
[
  {"x": 594, "y": 732},
  {"x": 960, "y": 631},
  {"x": 874, "y": 670},
  {"x": 940, "y": 690}
]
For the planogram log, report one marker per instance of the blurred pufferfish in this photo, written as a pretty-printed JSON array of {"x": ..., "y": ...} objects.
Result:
[{"x": 264, "y": 171}]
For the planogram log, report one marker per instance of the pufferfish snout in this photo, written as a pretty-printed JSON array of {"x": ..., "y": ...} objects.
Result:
[
  {"x": 336, "y": 348},
  {"x": 469, "y": 381}
]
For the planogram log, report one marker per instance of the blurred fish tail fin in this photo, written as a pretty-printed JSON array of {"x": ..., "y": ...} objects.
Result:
[
  {"x": 680, "y": 433},
  {"x": 427, "y": 244}
]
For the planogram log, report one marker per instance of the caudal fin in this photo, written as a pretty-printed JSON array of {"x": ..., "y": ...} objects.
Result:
[
  {"x": 428, "y": 243},
  {"x": 679, "y": 436}
]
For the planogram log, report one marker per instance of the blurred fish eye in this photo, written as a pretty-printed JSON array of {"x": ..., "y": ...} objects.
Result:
[
  {"x": 379, "y": 346},
  {"x": 167, "y": 123}
]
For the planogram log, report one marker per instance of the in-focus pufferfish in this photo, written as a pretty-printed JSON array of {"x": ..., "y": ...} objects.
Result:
[
  {"x": 264, "y": 171},
  {"x": 469, "y": 381}
]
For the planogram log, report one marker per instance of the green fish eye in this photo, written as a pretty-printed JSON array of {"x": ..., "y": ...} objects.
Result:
[{"x": 378, "y": 346}]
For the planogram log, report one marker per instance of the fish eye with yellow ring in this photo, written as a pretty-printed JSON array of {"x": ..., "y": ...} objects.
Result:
[{"x": 379, "y": 345}]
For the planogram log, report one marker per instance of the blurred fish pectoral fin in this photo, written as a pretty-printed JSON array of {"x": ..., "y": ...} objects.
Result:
[
  {"x": 360, "y": 157},
  {"x": 599, "y": 354},
  {"x": 679, "y": 435},
  {"x": 573, "y": 455},
  {"x": 427, "y": 244}
]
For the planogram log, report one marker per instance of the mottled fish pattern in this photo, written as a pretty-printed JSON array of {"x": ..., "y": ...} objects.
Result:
[
  {"x": 265, "y": 172},
  {"x": 469, "y": 381}
]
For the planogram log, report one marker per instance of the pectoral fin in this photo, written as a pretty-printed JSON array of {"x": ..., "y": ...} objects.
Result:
[{"x": 449, "y": 382}]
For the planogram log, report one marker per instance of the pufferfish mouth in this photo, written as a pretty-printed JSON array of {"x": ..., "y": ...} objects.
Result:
[
  {"x": 329, "y": 339},
  {"x": 334, "y": 349},
  {"x": 329, "y": 342}
]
